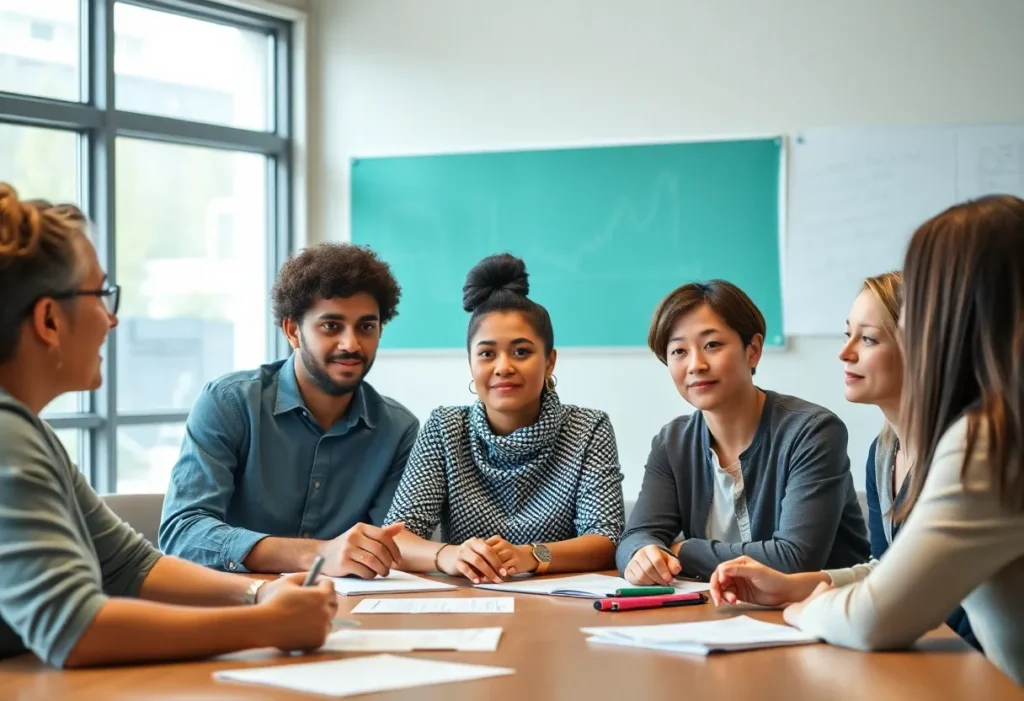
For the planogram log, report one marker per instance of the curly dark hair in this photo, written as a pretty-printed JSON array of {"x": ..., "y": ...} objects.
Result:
[{"x": 329, "y": 270}]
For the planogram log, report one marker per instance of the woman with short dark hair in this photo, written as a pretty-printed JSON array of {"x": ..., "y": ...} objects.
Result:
[{"x": 751, "y": 472}]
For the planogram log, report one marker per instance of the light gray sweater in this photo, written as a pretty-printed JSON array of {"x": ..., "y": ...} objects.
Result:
[
  {"x": 62, "y": 551},
  {"x": 959, "y": 545},
  {"x": 799, "y": 492}
]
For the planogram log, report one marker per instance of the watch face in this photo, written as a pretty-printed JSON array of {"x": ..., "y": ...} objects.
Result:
[{"x": 542, "y": 553}]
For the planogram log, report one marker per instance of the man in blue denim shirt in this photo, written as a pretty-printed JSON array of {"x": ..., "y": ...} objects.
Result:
[{"x": 300, "y": 457}]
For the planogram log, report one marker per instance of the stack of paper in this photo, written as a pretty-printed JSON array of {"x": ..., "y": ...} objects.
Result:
[
  {"x": 499, "y": 604},
  {"x": 361, "y": 675},
  {"x": 460, "y": 640},
  {"x": 585, "y": 586},
  {"x": 395, "y": 583},
  {"x": 730, "y": 634}
]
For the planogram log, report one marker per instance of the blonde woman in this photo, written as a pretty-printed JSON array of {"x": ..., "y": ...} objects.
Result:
[{"x": 873, "y": 366}]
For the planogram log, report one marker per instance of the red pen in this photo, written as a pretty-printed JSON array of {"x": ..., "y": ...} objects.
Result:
[{"x": 633, "y": 603}]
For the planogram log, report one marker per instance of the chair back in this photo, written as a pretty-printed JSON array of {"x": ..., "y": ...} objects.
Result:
[{"x": 141, "y": 511}]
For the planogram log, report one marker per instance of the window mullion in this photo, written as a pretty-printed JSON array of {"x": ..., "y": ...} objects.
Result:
[{"x": 101, "y": 201}]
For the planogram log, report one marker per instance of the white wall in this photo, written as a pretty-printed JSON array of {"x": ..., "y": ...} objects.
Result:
[{"x": 407, "y": 76}]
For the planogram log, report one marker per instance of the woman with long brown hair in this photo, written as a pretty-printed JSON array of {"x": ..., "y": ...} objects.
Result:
[
  {"x": 962, "y": 533},
  {"x": 78, "y": 586}
]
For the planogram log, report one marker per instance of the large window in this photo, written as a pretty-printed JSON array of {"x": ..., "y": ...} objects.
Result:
[{"x": 168, "y": 121}]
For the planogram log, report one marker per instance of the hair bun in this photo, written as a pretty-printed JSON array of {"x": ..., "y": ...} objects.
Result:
[
  {"x": 491, "y": 275},
  {"x": 19, "y": 224}
]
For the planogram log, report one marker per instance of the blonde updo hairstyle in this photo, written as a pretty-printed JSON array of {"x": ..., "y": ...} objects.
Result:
[{"x": 37, "y": 258}]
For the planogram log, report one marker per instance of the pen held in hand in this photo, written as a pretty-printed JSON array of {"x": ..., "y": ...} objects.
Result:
[{"x": 314, "y": 571}]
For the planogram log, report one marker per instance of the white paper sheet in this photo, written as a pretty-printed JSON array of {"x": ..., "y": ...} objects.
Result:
[
  {"x": 361, "y": 675},
  {"x": 585, "y": 586},
  {"x": 703, "y": 637},
  {"x": 395, "y": 583},
  {"x": 461, "y": 640},
  {"x": 499, "y": 604}
]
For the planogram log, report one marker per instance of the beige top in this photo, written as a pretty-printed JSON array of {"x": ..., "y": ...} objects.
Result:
[{"x": 957, "y": 546}]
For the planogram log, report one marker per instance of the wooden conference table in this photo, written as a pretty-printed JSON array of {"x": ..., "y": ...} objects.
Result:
[{"x": 543, "y": 643}]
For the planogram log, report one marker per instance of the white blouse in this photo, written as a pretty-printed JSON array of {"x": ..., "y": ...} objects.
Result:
[{"x": 959, "y": 545}]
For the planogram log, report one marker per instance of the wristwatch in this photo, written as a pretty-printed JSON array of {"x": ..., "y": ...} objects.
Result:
[
  {"x": 543, "y": 557},
  {"x": 253, "y": 590}
]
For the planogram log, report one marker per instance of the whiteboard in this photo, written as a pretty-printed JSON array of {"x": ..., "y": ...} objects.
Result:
[
  {"x": 990, "y": 159},
  {"x": 857, "y": 195}
]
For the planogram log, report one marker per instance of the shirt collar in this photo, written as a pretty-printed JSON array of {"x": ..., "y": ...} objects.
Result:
[
  {"x": 359, "y": 409},
  {"x": 289, "y": 398}
]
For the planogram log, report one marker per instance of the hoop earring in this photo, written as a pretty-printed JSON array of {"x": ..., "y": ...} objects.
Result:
[
  {"x": 550, "y": 382},
  {"x": 472, "y": 390}
]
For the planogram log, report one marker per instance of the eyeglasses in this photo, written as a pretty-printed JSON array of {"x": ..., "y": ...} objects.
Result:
[{"x": 111, "y": 296}]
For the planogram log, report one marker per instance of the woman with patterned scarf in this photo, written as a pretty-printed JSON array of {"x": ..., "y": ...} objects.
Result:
[{"x": 517, "y": 482}]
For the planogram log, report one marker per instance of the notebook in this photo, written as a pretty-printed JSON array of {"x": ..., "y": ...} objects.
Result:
[
  {"x": 584, "y": 586},
  {"x": 360, "y": 675},
  {"x": 703, "y": 637}
]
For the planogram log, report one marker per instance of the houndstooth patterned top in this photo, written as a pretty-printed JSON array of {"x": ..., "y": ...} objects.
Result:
[{"x": 556, "y": 479}]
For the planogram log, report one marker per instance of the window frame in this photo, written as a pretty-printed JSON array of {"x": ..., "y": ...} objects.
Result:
[{"x": 99, "y": 123}]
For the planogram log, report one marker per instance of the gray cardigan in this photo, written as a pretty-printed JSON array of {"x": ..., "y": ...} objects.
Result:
[{"x": 804, "y": 513}]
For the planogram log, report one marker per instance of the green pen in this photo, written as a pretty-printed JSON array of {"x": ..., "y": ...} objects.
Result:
[{"x": 644, "y": 591}]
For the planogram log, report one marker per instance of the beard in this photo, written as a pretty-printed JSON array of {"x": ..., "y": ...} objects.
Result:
[{"x": 317, "y": 370}]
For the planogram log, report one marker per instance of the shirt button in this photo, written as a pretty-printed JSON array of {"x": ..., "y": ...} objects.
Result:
[
  {"x": 305, "y": 535},
  {"x": 231, "y": 565},
  {"x": 316, "y": 485}
]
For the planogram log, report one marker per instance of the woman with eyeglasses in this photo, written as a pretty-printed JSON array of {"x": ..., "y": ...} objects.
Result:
[{"x": 78, "y": 586}]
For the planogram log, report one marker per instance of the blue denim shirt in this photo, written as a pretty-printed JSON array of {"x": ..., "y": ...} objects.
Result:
[{"x": 254, "y": 463}]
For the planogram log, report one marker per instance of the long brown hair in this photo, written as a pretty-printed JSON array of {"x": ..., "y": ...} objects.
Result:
[
  {"x": 887, "y": 289},
  {"x": 964, "y": 339}
]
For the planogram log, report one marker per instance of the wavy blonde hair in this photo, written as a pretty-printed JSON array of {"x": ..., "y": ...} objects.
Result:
[
  {"x": 37, "y": 258},
  {"x": 887, "y": 289}
]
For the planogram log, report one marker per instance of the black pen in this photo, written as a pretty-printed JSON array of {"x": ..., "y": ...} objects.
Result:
[{"x": 314, "y": 571}]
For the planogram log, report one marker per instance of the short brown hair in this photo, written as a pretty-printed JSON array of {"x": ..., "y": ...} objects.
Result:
[
  {"x": 725, "y": 299},
  {"x": 329, "y": 270}
]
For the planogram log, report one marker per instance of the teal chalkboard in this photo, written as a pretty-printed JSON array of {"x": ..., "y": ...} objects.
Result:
[{"x": 605, "y": 232}]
